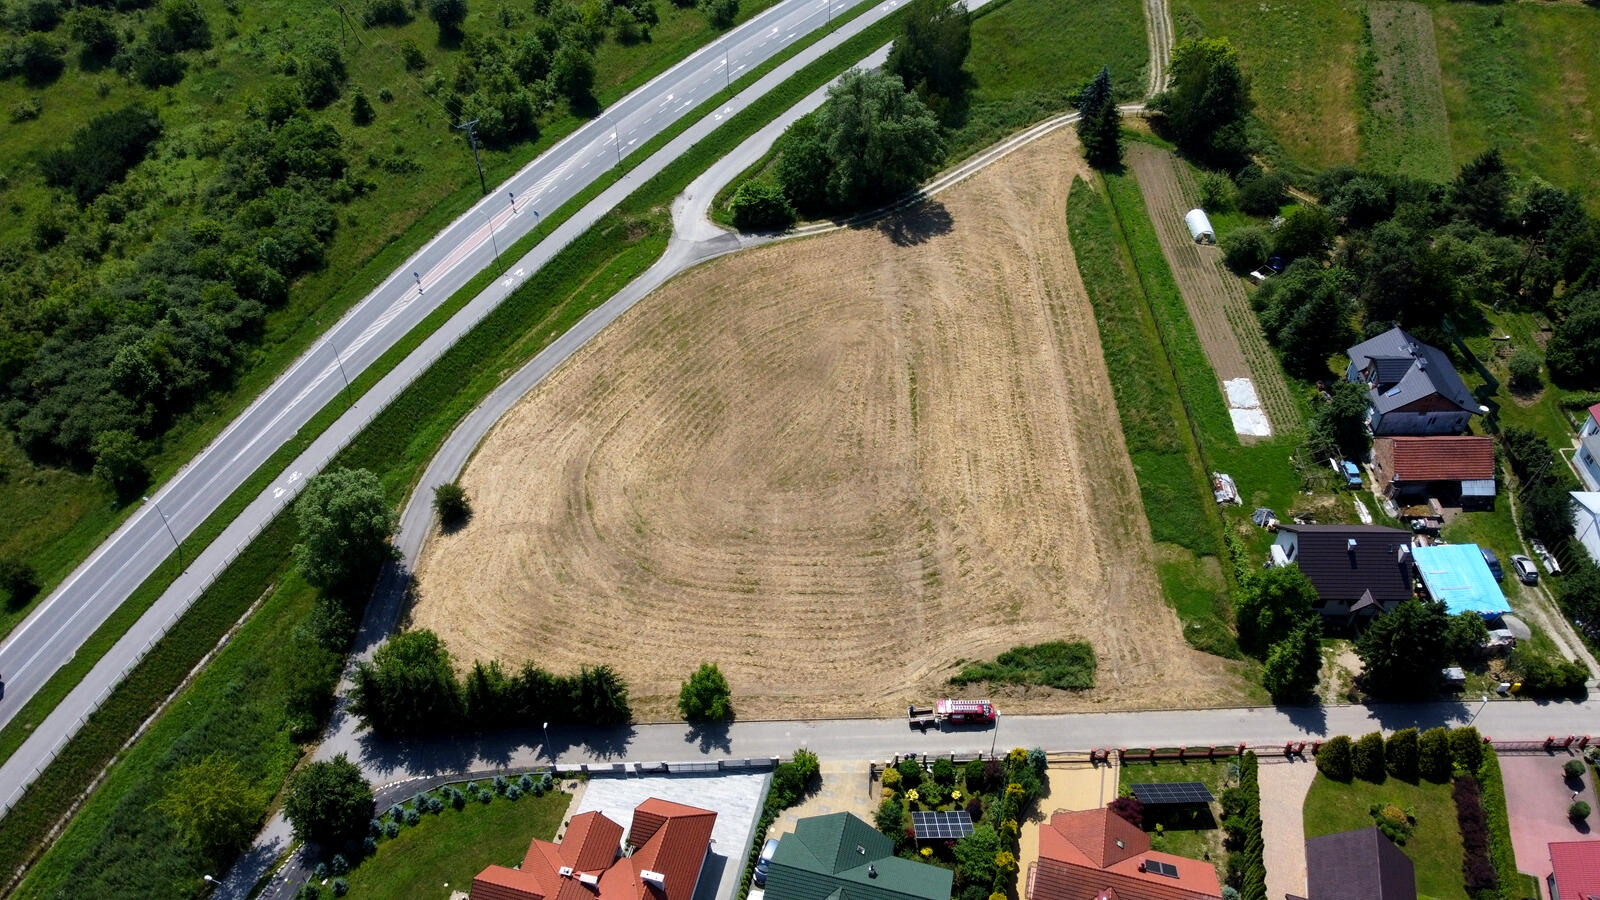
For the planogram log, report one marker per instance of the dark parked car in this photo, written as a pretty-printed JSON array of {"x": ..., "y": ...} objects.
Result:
[
  {"x": 1494, "y": 564},
  {"x": 767, "y": 850}
]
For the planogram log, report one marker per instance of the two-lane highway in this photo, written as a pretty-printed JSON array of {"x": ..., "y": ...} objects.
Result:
[{"x": 60, "y": 624}]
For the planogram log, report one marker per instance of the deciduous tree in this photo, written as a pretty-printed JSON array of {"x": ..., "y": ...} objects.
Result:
[
  {"x": 449, "y": 15},
  {"x": 329, "y": 802},
  {"x": 1208, "y": 101},
  {"x": 345, "y": 526},
  {"x": 214, "y": 806},
  {"x": 1403, "y": 650},
  {"x": 705, "y": 697},
  {"x": 934, "y": 40},
  {"x": 1272, "y": 603},
  {"x": 1293, "y": 664},
  {"x": 409, "y": 687},
  {"x": 19, "y": 580}
]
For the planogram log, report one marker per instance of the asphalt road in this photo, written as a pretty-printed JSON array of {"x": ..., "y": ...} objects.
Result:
[{"x": 58, "y": 627}]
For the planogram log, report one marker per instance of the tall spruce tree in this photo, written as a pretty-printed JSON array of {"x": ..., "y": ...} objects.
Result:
[{"x": 1100, "y": 128}]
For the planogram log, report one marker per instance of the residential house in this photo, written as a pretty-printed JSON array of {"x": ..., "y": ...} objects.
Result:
[
  {"x": 1412, "y": 388},
  {"x": 841, "y": 857},
  {"x": 1358, "y": 865},
  {"x": 1094, "y": 854},
  {"x": 1586, "y": 521},
  {"x": 1574, "y": 870},
  {"x": 1454, "y": 468},
  {"x": 665, "y": 848},
  {"x": 1358, "y": 570}
]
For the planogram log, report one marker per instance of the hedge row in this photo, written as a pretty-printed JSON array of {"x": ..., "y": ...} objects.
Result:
[
  {"x": 1436, "y": 755},
  {"x": 1241, "y": 810},
  {"x": 790, "y": 781},
  {"x": 1499, "y": 825},
  {"x": 1476, "y": 867}
]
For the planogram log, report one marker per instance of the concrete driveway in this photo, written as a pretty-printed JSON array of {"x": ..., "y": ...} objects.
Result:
[{"x": 1537, "y": 797}]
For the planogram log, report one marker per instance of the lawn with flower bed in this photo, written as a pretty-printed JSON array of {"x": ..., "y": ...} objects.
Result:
[
  {"x": 999, "y": 795},
  {"x": 1434, "y": 842}
]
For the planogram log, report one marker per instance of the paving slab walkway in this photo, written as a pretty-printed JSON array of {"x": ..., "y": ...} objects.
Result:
[
  {"x": 846, "y": 787},
  {"x": 1537, "y": 797},
  {"x": 1284, "y": 784}
]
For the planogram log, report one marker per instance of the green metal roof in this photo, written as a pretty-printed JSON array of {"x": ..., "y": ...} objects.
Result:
[{"x": 829, "y": 857}]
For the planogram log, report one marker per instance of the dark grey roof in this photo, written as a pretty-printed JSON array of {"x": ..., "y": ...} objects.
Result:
[
  {"x": 1358, "y": 865},
  {"x": 1375, "y": 566},
  {"x": 1408, "y": 370}
]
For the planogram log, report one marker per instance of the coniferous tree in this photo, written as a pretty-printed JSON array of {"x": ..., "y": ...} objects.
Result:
[{"x": 1100, "y": 128}]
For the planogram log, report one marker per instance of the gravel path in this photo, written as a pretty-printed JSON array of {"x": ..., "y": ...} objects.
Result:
[{"x": 1283, "y": 794}]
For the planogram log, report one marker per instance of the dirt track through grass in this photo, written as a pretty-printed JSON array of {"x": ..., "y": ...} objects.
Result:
[
  {"x": 837, "y": 467},
  {"x": 1216, "y": 300},
  {"x": 1405, "y": 131}
]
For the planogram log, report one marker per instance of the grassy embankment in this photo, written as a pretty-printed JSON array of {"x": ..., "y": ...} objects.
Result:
[
  {"x": 1112, "y": 242},
  {"x": 1023, "y": 72},
  {"x": 230, "y": 704},
  {"x": 57, "y": 516},
  {"x": 1187, "y": 832},
  {"x": 450, "y": 847},
  {"x": 1435, "y": 844}
]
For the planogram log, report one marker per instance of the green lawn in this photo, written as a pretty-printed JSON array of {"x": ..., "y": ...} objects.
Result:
[
  {"x": 1404, "y": 129},
  {"x": 1435, "y": 844},
  {"x": 1028, "y": 56},
  {"x": 1189, "y": 832},
  {"x": 1299, "y": 55},
  {"x": 1524, "y": 77},
  {"x": 443, "y": 852}
]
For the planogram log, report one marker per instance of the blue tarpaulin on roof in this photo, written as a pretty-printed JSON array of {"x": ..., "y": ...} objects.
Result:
[{"x": 1457, "y": 574}]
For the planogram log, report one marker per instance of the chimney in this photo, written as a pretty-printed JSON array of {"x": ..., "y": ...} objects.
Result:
[
  {"x": 872, "y": 871},
  {"x": 655, "y": 878}
]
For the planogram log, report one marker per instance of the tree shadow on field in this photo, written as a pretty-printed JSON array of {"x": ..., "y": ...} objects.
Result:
[{"x": 918, "y": 224}]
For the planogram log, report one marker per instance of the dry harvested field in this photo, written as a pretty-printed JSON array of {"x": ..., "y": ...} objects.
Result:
[
  {"x": 1216, "y": 300},
  {"x": 835, "y": 466}
]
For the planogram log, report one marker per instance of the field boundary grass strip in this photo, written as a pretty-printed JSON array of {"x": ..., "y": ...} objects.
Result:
[{"x": 401, "y": 438}]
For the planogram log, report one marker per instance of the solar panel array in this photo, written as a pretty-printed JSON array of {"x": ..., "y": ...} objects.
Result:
[
  {"x": 1161, "y": 868},
  {"x": 1172, "y": 794},
  {"x": 941, "y": 826}
]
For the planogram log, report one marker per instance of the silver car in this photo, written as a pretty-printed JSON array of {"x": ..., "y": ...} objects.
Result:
[{"x": 1527, "y": 573}]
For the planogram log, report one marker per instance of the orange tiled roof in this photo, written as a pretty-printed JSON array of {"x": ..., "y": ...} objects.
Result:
[
  {"x": 1092, "y": 854},
  {"x": 1466, "y": 457}
]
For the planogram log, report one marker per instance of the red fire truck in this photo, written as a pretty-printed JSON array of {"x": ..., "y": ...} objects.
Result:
[{"x": 956, "y": 712}]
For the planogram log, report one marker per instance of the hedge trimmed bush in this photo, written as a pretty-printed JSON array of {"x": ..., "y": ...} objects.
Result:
[
  {"x": 1573, "y": 768},
  {"x": 1466, "y": 748},
  {"x": 1247, "y": 870},
  {"x": 1401, "y": 754},
  {"x": 1366, "y": 758},
  {"x": 1476, "y": 867},
  {"x": 1499, "y": 824},
  {"x": 1578, "y": 811},
  {"x": 1333, "y": 758},
  {"x": 1129, "y": 809},
  {"x": 1433, "y": 755}
]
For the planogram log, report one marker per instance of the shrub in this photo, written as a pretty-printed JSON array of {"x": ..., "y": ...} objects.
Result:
[
  {"x": 500, "y": 784},
  {"x": 1333, "y": 758},
  {"x": 1260, "y": 192},
  {"x": 972, "y": 774},
  {"x": 1466, "y": 748},
  {"x": 340, "y": 887},
  {"x": 1578, "y": 811},
  {"x": 1394, "y": 822},
  {"x": 1476, "y": 866},
  {"x": 1129, "y": 809},
  {"x": 1524, "y": 368},
  {"x": 413, "y": 817},
  {"x": 19, "y": 580},
  {"x": 1400, "y": 754},
  {"x": 1038, "y": 761},
  {"x": 450, "y": 502},
  {"x": 890, "y": 779},
  {"x": 759, "y": 205},
  {"x": 975, "y": 808},
  {"x": 391, "y": 829},
  {"x": 339, "y": 865},
  {"x": 944, "y": 771},
  {"x": 706, "y": 697},
  {"x": 890, "y": 818},
  {"x": 1366, "y": 758},
  {"x": 720, "y": 13},
  {"x": 1243, "y": 249},
  {"x": 1573, "y": 768},
  {"x": 1433, "y": 755},
  {"x": 910, "y": 773},
  {"x": 513, "y": 793},
  {"x": 1216, "y": 192}
]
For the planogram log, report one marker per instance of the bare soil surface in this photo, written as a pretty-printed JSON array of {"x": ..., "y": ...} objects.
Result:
[
  {"x": 1217, "y": 303},
  {"x": 837, "y": 467}
]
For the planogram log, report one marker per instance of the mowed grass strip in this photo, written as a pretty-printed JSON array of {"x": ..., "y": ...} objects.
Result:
[
  {"x": 1173, "y": 483},
  {"x": 397, "y": 445},
  {"x": 1300, "y": 56},
  {"x": 1028, "y": 56},
  {"x": 1435, "y": 843},
  {"x": 1404, "y": 129},
  {"x": 452, "y": 846},
  {"x": 1524, "y": 77}
]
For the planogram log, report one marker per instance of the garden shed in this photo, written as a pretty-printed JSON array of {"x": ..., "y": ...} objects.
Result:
[{"x": 1200, "y": 227}]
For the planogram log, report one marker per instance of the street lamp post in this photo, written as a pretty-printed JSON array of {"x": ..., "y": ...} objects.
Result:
[
  {"x": 492, "y": 241},
  {"x": 996, "y": 738},
  {"x": 177, "y": 547},
  {"x": 340, "y": 363},
  {"x": 547, "y": 750}
]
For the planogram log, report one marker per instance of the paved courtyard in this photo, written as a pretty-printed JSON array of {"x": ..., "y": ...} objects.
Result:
[
  {"x": 845, "y": 788},
  {"x": 1284, "y": 784},
  {"x": 1537, "y": 797},
  {"x": 736, "y": 799}
]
